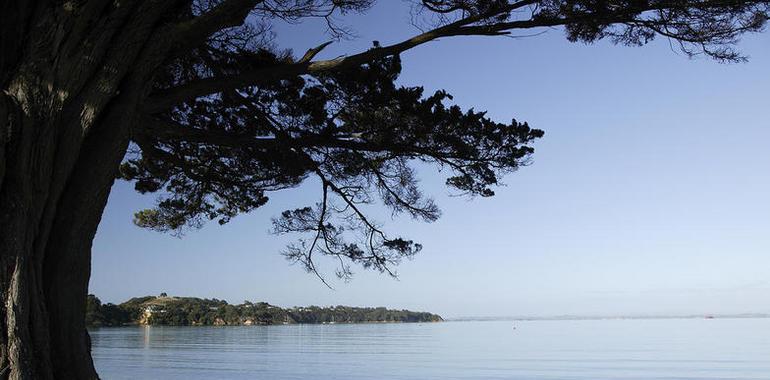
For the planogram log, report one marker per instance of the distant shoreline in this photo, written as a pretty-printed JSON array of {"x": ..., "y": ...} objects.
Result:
[
  {"x": 192, "y": 311},
  {"x": 128, "y": 325},
  {"x": 597, "y": 318}
]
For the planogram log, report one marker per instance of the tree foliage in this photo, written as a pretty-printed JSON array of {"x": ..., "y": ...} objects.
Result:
[
  {"x": 99, "y": 314},
  {"x": 233, "y": 117}
]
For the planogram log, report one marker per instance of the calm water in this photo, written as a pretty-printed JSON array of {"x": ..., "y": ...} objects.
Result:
[{"x": 537, "y": 350}]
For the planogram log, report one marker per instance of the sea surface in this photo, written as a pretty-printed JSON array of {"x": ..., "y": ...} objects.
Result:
[{"x": 528, "y": 350}]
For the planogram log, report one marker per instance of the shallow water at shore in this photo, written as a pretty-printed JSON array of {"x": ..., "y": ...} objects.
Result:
[{"x": 534, "y": 350}]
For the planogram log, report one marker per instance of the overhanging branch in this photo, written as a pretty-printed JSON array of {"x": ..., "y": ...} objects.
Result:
[
  {"x": 170, "y": 131},
  {"x": 168, "y": 98}
]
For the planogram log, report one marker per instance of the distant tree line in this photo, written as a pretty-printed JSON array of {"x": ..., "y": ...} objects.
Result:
[
  {"x": 191, "y": 311},
  {"x": 108, "y": 314}
]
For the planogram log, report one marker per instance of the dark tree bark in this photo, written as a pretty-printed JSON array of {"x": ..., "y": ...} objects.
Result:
[{"x": 71, "y": 86}]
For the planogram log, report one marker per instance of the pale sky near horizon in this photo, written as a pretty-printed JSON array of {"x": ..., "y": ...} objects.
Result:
[{"x": 649, "y": 194}]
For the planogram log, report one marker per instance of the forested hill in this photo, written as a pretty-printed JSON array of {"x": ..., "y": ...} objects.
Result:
[{"x": 190, "y": 311}]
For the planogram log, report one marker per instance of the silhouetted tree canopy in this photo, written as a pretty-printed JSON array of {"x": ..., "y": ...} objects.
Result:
[{"x": 233, "y": 117}]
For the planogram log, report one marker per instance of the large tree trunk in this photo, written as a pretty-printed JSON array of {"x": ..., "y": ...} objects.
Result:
[
  {"x": 71, "y": 77},
  {"x": 68, "y": 255},
  {"x": 48, "y": 228},
  {"x": 52, "y": 195},
  {"x": 45, "y": 269}
]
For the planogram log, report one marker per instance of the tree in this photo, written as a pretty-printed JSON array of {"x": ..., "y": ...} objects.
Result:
[
  {"x": 196, "y": 102},
  {"x": 94, "y": 316}
]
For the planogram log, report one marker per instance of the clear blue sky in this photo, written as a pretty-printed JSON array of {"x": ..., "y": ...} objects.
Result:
[{"x": 649, "y": 194}]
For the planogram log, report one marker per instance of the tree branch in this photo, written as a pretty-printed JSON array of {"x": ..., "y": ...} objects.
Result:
[
  {"x": 313, "y": 52},
  {"x": 170, "y": 97},
  {"x": 227, "y": 14},
  {"x": 168, "y": 130},
  {"x": 483, "y": 24}
]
